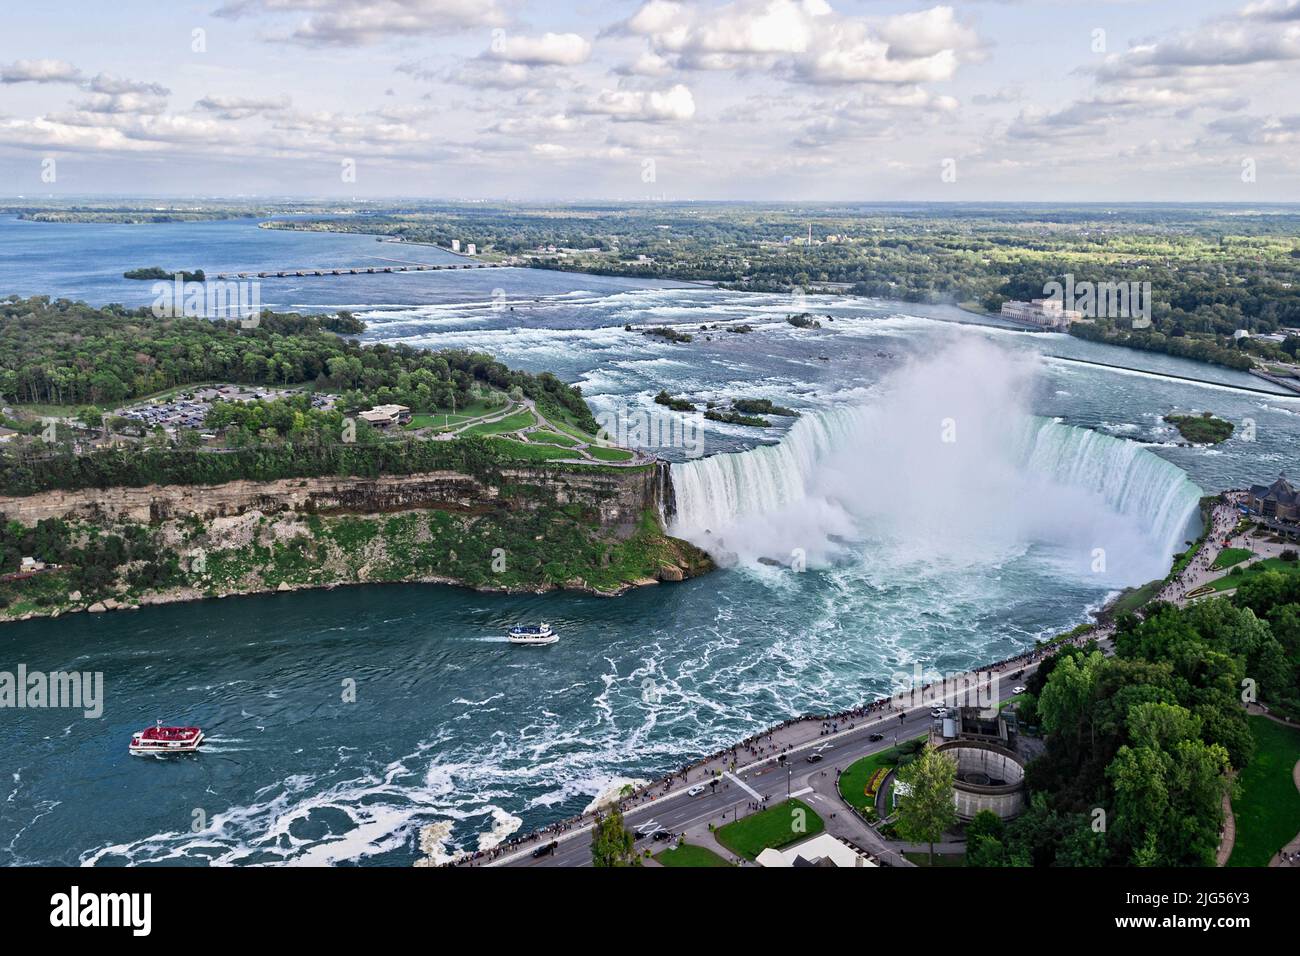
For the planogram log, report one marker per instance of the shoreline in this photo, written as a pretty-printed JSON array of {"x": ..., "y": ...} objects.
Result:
[
  {"x": 724, "y": 761},
  {"x": 190, "y": 596},
  {"x": 760, "y": 745}
]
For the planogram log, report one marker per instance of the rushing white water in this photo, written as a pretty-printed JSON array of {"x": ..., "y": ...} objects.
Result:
[{"x": 946, "y": 465}]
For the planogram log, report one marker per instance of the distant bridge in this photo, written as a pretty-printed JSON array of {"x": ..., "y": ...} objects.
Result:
[{"x": 360, "y": 271}]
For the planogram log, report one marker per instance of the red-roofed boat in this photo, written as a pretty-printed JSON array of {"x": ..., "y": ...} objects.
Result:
[{"x": 166, "y": 740}]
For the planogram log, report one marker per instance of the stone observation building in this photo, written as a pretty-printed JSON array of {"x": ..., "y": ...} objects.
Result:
[{"x": 990, "y": 770}]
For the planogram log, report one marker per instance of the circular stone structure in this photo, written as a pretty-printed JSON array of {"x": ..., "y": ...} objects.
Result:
[{"x": 989, "y": 777}]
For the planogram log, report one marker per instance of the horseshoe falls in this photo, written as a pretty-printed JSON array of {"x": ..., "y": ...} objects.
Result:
[{"x": 943, "y": 466}]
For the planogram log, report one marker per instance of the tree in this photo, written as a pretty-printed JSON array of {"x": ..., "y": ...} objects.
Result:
[
  {"x": 984, "y": 843},
  {"x": 611, "y": 843},
  {"x": 928, "y": 811},
  {"x": 1169, "y": 786}
]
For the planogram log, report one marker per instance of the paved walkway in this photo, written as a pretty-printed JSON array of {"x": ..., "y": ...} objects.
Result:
[
  {"x": 1223, "y": 522},
  {"x": 581, "y": 447},
  {"x": 1228, "y": 837},
  {"x": 1289, "y": 855},
  {"x": 1202, "y": 571},
  {"x": 1259, "y": 710}
]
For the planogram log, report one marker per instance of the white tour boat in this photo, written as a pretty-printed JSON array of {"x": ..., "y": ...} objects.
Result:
[
  {"x": 533, "y": 634},
  {"x": 166, "y": 740}
]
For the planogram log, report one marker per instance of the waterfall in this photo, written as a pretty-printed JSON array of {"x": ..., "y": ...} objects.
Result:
[
  {"x": 1133, "y": 481},
  {"x": 838, "y": 470},
  {"x": 712, "y": 493}
]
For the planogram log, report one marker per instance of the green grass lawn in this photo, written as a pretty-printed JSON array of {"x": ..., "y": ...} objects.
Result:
[
  {"x": 511, "y": 423},
  {"x": 609, "y": 454},
  {"x": 774, "y": 827},
  {"x": 687, "y": 854},
  {"x": 444, "y": 418},
  {"x": 853, "y": 781},
  {"x": 1230, "y": 556},
  {"x": 517, "y": 449},
  {"x": 429, "y": 420},
  {"x": 571, "y": 429},
  {"x": 553, "y": 438},
  {"x": 1268, "y": 810},
  {"x": 1229, "y": 581},
  {"x": 1136, "y": 598}
]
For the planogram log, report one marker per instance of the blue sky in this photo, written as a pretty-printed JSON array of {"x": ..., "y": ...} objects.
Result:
[{"x": 698, "y": 99}]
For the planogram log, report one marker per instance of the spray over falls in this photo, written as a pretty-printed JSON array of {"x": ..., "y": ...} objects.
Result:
[{"x": 943, "y": 465}]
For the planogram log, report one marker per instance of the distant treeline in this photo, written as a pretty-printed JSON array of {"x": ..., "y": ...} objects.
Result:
[
  {"x": 70, "y": 353},
  {"x": 137, "y": 467},
  {"x": 159, "y": 273},
  {"x": 1213, "y": 270}
]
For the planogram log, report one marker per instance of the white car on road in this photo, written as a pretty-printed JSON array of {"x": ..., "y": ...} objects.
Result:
[{"x": 696, "y": 790}]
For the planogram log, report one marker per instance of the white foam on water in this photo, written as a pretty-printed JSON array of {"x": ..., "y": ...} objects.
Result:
[
  {"x": 504, "y": 825},
  {"x": 612, "y": 792},
  {"x": 888, "y": 472}
]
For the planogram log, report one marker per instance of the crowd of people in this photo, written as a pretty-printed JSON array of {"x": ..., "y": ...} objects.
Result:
[{"x": 1223, "y": 524}]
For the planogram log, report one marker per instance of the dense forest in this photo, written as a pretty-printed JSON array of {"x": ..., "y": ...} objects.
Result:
[
  {"x": 25, "y": 474},
  {"x": 68, "y": 353},
  {"x": 1150, "y": 736}
]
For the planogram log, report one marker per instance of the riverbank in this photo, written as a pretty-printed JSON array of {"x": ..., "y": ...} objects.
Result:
[
  {"x": 774, "y": 744},
  {"x": 541, "y": 530},
  {"x": 678, "y": 561},
  {"x": 797, "y": 733}
]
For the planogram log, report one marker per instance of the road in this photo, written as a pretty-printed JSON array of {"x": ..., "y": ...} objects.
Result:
[{"x": 764, "y": 776}]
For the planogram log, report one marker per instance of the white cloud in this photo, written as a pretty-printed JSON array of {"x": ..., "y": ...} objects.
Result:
[
  {"x": 111, "y": 85},
  {"x": 363, "y": 22},
  {"x": 241, "y": 107},
  {"x": 40, "y": 71},
  {"x": 1273, "y": 10},
  {"x": 123, "y": 103},
  {"x": 1220, "y": 46},
  {"x": 647, "y": 64},
  {"x": 532, "y": 125},
  {"x": 926, "y": 33},
  {"x": 553, "y": 49},
  {"x": 1258, "y": 130},
  {"x": 805, "y": 39},
  {"x": 673, "y": 105}
]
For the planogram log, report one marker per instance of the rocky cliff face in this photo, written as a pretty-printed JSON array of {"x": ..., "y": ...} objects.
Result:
[
  {"x": 618, "y": 497},
  {"x": 518, "y": 533}
]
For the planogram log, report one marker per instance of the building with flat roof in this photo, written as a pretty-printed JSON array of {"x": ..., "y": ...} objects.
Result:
[
  {"x": 1049, "y": 313},
  {"x": 387, "y": 416}
]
